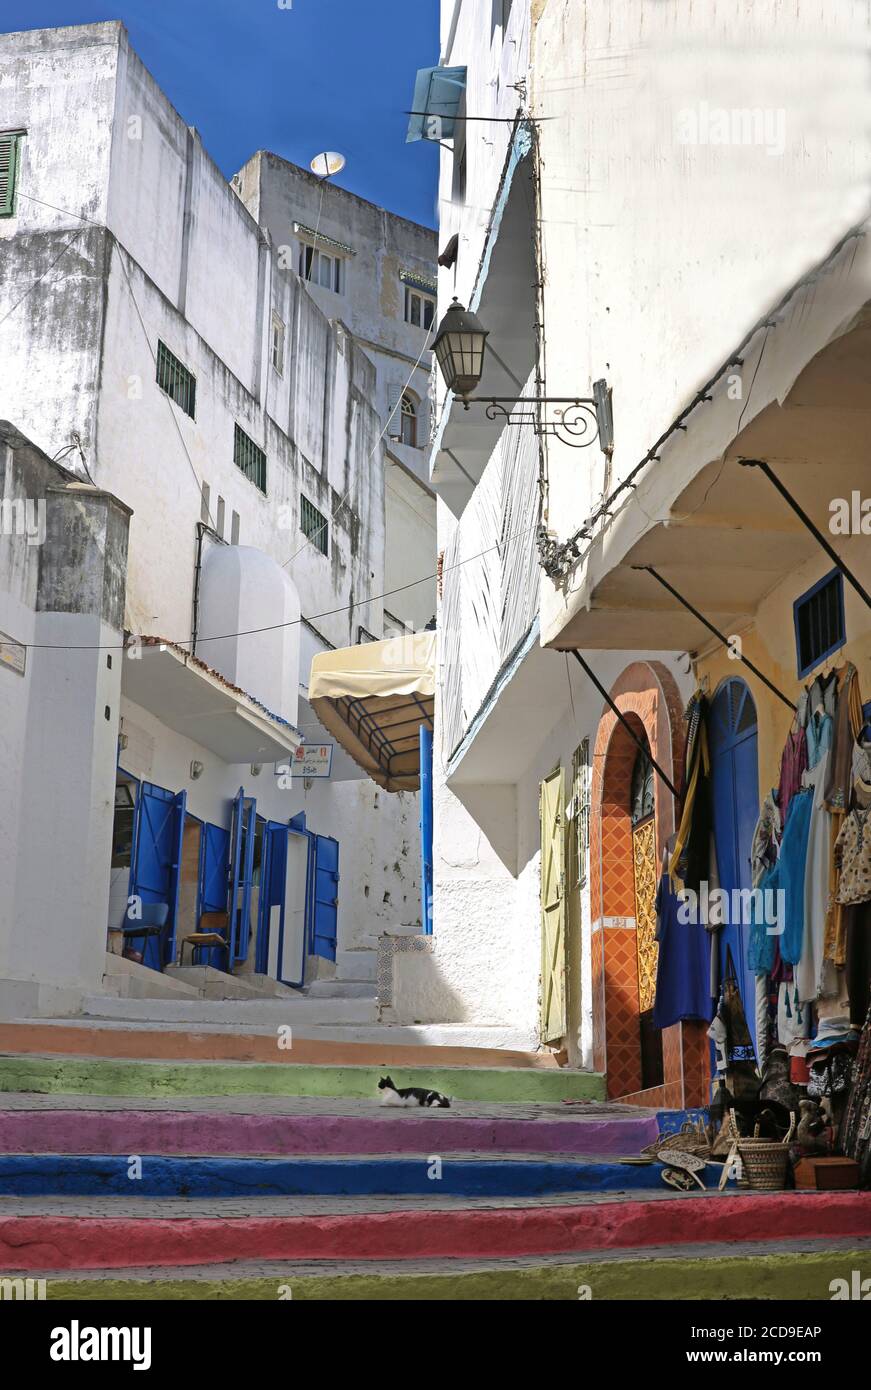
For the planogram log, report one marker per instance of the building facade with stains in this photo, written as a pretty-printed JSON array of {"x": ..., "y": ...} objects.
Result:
[
  {"x": 140, "y": 305},
  {"x": 660, "y": 224}
]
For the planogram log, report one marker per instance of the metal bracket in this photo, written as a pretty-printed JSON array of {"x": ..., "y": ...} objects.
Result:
[{"x": 574, "y": 420}]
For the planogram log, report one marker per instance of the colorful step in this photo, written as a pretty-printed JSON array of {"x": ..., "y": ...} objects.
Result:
[
  {"x": 75, "y": 1175},
  {"x": 365, "y": 1131},
  {"x": 91, "y": 1039},
  {"x": 500, "y": 1229},
  {"x": 111, "y": 1077},
  {"x": 804, "y": 1274}
]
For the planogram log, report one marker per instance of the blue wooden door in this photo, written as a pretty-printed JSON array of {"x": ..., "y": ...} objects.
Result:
[
  {"x": 214, "y": 868},
  {"x": 735, "y": 777},
  {"x": 273, "y": 871},
  {"x": 241, "y": 873},
  {"x": 325, "y": 896},
  {"x": 426, "y": 829},
  {"x": 157, "y": 860}
]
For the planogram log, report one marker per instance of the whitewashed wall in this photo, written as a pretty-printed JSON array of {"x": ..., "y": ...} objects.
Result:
[{"x": 696, "y": 161}]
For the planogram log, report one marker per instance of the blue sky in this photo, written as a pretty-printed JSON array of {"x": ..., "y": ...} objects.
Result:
[{"x": 324, "y": 74}]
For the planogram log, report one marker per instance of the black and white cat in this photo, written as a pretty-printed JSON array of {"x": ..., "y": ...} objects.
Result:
[{"x": 411, "y": 1095}]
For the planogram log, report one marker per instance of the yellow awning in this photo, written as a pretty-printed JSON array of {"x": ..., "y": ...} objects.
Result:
[{"x": 373, "y": 698}]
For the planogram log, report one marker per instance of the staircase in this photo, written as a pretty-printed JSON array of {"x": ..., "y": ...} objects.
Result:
[{"x": 146, "y": 1162}]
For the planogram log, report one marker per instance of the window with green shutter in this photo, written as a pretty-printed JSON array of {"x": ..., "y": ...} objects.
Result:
[
  {"x": 174, "y": 378},
  {"x": 10, "y": 159},
  {"x": 314, "y": 525},
  {"x": 250, "y": 458}
]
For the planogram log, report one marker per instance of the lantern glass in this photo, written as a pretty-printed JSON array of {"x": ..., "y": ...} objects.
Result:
[{"x": 459, "y": 349}]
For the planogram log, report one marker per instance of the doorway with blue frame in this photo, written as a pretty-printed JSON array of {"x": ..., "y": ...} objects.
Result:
[{"x": 735, "y": 794}]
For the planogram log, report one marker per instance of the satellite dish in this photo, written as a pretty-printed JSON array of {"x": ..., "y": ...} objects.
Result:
[{"x": 327, "y": 164}]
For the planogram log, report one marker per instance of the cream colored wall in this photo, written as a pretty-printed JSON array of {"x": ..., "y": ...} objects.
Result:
[
  {"x": 663, "y": 248},
  {"x": 770, "y": 644}
]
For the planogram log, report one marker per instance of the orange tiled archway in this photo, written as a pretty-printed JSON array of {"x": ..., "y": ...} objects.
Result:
[{"x": 647, "y": 696}]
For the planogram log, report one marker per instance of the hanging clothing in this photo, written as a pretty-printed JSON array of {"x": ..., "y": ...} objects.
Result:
[
  {"x": 847, "y": 727},
  {"x": 683, "y": 969},
  {"x": 793, "y": 763},
  {"x": 788, "y": 875},
  {"x": 813, "y": 974},
  {"x": 853, "y": 858},
  {"x": 765, "y": 846},
  {"x": 858, "y": 960},
  {"x": 793, "y": 1017},
  {"x": 690, "y": 862}
]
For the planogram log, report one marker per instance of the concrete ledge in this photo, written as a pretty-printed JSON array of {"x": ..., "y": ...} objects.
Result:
[
  {"x": 718, "y": 1274},
  {"x": 500, "y": 1231},
  {"x": 75, "y": 1175},
  {"x": 129, "y": 1078},
  {"x": 134, "y": 1042},
  {"x": 185, "y": 1132}
]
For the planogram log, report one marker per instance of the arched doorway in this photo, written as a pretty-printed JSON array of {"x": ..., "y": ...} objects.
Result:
[
  {"x": 632, "y": 816},
  {"x": 642, "y": 817},
  {"x": 735, "y": 793}
]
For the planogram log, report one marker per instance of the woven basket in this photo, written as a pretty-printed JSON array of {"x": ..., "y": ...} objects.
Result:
[
  {"x": 766, "y": 1161},
  {"x": 692, "y": 1138}
]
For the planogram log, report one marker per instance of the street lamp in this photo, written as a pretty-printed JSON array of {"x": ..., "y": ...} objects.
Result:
[
  {"x": 576, "y": 420},
  {"x": 459, "y": 349}
]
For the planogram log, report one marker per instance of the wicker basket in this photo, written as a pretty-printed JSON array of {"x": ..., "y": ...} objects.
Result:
[{"x": 766, "y": 1161}]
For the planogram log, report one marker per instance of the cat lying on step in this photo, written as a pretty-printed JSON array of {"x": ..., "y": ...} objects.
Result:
[{"x": 411, "y": 1095}]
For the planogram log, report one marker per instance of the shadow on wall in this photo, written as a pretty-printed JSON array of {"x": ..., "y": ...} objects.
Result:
[
  {"x": 412, "y": 987},
  {"x": 493, "y": 809}
]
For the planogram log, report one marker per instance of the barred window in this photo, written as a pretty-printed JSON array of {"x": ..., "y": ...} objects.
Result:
[
  {"x": 250, "y": 458},
  {"x": 314, "y": 525},
  {"x": 174, "y": 378},
  {"x": 10, "y": 155},
  {"x": 819, "y": 622}
]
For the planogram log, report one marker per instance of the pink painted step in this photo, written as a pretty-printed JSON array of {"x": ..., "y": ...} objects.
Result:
[
  {"x": 29, "y": 1243},
  {"x": 193, "y": 1132}
]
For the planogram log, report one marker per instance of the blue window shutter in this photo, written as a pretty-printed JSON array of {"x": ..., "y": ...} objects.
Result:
[
  {"x": 436, "y": 101},
  {"x": 10, "y": 143},
  {"x": 394, "y": 411}
]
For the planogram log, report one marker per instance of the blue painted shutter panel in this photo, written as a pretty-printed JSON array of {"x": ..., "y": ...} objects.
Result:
[
  {"x": 326, "y": 896},
  {"x": 9, "y": 157}
]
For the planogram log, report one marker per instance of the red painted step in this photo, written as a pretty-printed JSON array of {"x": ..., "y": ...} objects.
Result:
[{"x": 61, "y": 1242}]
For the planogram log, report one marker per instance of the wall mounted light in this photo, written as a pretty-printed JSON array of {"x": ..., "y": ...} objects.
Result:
[
  {"x": 197, "y": 770},
  {"x": 256, "y": 769},
  {"x": 459, "y": 347}
]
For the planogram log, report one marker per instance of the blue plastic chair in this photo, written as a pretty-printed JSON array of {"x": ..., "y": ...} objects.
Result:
[{"x": 150, "y": 921}]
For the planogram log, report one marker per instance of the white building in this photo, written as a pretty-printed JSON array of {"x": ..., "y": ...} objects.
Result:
[
  {"x": 616, "y": 256},
  {"x": 154, "y": 343},
  {"x": 376, "y": 272}
]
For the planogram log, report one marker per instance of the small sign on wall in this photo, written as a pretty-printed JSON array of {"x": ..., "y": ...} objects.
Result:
[
  {"x": 12, "y": 654},
  {"x": 313, "y": 760}
]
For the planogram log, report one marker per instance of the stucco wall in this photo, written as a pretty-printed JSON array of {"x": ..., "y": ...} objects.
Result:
[{"x": 695, "y": 162}]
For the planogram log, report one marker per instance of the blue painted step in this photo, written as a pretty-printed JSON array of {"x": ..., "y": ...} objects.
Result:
[{"x": 77, "y": 1175}]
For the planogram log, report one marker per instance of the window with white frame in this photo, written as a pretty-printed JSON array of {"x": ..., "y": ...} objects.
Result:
[
  {"x": 419, "y": 308},
  {"x": 408, "y": 420},
  {"x": 322, "y": 268}
]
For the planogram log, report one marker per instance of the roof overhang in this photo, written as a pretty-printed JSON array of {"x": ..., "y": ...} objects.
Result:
[
  {"x": 715, "y": 529},
  {"x": 189, "y": 698},
  {"x": 505, "y": 300},
  {"x": 373, "y": 698}
]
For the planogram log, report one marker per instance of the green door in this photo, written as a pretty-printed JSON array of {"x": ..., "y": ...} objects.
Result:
[{"x": 553, "y": 910}]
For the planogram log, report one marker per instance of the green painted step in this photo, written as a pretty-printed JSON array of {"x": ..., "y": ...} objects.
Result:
[
  {"x": 112, "y": 1077},
  {"x": 677, "y": 1278}
]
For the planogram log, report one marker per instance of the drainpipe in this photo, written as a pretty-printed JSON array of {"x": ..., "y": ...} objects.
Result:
[{"x": 203, "y": 529}]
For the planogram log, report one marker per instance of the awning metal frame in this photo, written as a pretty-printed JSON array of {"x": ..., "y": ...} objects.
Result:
[
  {"x": 810, "y": 526},
  {"x": 648, "y": 569}
]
